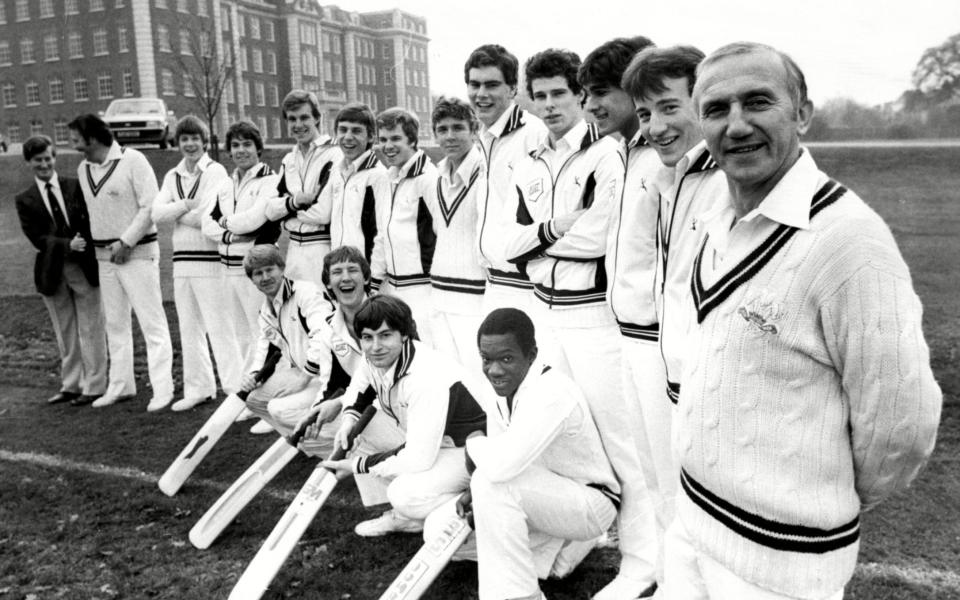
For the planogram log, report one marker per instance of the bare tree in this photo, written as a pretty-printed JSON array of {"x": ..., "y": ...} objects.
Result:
[{"x": 207, "y": 74}]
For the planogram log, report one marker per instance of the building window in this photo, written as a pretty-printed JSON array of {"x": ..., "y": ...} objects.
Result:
[
  {"x": 96, "y": 5},
  {"x": 70, "y": 7},
  {"x": 104, "y": 86},
  {"x": 9, "y": 95},
  {"x": 56, "y": 90},
  {"x": 271, "y": 63},
  {"x": 337, "y": 44},
  {"x": 337, "y": 73},
  {"x": 46, "y": 8},
  {"x": 100, "y": 41},
  {"x": 23, "y": 10},
  {"x": 258, "y": 94},
  {"x": 257, "y": 60},
  {"x": 13, "y": 133},
  {"x": 241, "y": 26},
  {"x": 202, "y": 9},
  {"x": 224, "y": 18},
  {"x": 36, "y": 127},
  {"x": 33, "y": 93},
  {"x": 26, "y": 51},
  {"x": 206, "y": 48},
  {"x": 326, "y": 42},
  {"x": 80, "y": 92},
  {"x": 255, "y": 28},
  {"x": 128, "y": 82},
  {"x": 3, "y": 13},
  {"x": 308, "y": 34},
  {"x": 122, "y": 42},
  {"x": 228, "y": 94},
  {"x": 262, "y": 120},
  {"x": 75, "y": 44},
  {"x": 274, "y": 99},
  {"x": 163, "y": 39},
  {"x": 119, "y": 4},
  {"x": 182, "y": 6},
  {"x": 188, "y": 88},
  {"x": 60, "y": 134},
  {"x": 166, "y": 83},
  {"x": 186, "y": 42},
  {"x": 5, "y": 56},
  {"x": 243, "y": 58},
  {"x": 268, "y": 33},
  {"x": 275, "y": 128},
  {"x": 327, "y": 70}
]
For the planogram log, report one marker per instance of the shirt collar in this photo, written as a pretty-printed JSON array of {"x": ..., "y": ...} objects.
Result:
[
  {"x": 789, "y": 201},
  {"x": 42, "y": 185},
  {"x": 202, "y": 165},
  {"x": 114, "y": 153},
  {"x": 498, "y": 127},
  {"x": 464, "y": 171},
  {"x": 412, "y": 168},
  {"x": 570, "y": 142},
  {"x": 321, "y": 140},
  {"x": 250, "y": 173}
]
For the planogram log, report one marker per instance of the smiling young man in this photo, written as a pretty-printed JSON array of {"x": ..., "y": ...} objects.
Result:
[
  {"x": 456, "y": 275},
  {"x": 119, "y": 187},
  {"x": 411, "y": 452},
  {"x": 406, "y": 235},
  {"x": 565, "y": 192},
  {"x": 542, "y": 478},
  {"x": 631, "y": 263},
  {"x": 357, "y": 184},
  {"x": 806, "y": 397},
  {"x": 53, "y": 216},
  {"x": 305, "y": 171},
  {"x": 189, "y": 192},
  {"x": 237, "y": 222},
  {"x": 507, "y": 134}
]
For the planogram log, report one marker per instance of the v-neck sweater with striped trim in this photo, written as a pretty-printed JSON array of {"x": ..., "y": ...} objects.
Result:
[{"x": 808, "y": 394}]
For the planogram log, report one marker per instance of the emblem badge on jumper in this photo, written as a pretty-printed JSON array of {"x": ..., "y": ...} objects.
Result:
[
  {"x": 762, "y": 311},
  {"x": 535, "y": 190}
]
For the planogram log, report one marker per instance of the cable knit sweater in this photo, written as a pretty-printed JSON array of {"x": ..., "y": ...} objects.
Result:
[{"x": 808, "y": 394}]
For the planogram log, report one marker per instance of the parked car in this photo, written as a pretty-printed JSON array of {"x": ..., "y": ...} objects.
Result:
[{"x": 140, "y": 120}]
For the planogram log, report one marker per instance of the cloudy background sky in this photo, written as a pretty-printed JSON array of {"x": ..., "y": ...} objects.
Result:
[{"x": 847, "y": 48}]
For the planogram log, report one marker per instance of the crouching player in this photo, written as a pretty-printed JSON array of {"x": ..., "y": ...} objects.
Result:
[
  {"x": 543, "y": 490},
  {"x": 292, "y": 317},
  {"x": 411, "y": 452}
]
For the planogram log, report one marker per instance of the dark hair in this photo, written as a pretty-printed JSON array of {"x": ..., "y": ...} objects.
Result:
[
  {"x": 454, "y": 108},
  {"x": 191, "y": 125},
  {"x": 648, "y": 70},
  {"x": 37, "y": 145},
  {"x": 245, "y": 130},
  {"x": 385, "y": 309},
  {"x": 553, "y": 63},
  {"x": 513, "y": 321},
  {"x": 92, "y": 127},
  {"x": 297, "y": 97},
  {"x": 604, "y": 66},
  {"x": 358, "y": 113},
  {"x": 343, "y": 254},
  {"x": 795, "y": 81},
  {"x": 493, "y": 55},
  {"x": 407, "y": 121}
]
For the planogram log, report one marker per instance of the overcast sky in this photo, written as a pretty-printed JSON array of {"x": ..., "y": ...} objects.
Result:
[{"x": 847, "y": 48}]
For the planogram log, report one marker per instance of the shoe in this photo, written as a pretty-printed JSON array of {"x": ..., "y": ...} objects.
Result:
[
  {"x": 85, "y": 399},
  {"x": 245, "y": 415},
  {"x": 572, "y": 554},
  {"x": 108, "y": 400},
  {"x": 261, "y": 427},
  {"x": 388, "y": 522},
  {"x": 624, "y": 588},
  {"x": 61, "y": 397},
  {"x": 158, "y": 404},
  {"x": 188, "y": 403}
]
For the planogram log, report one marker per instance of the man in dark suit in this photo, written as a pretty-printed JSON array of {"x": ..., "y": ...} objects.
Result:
[{"x": 54, "y": 218}]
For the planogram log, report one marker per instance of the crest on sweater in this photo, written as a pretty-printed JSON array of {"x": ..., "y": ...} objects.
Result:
[
  {"x": 762, "y": 311},
  {"x": 535, "y": 190}
]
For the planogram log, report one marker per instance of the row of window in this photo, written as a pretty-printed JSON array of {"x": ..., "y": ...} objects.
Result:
[
  {"x": 249, "y": 24},
  {"x": 416, "y": 77},
  {"x": 261, "y": 62},
  {"x": 418, "y": 103},
  {"x": 46, "y": 8},
  {"x": 56, "y": 92},
  {"x": 190, "y": 7},
  {"x": 60, "y": 133},
  {"x": 415, "y": 52},
  {"x": 75, "y": 46}
]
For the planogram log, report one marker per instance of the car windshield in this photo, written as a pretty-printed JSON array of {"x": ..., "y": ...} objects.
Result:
[{"x": 130, "y": 107}]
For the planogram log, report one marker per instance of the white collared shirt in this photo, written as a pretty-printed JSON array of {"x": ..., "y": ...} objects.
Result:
[
  {"x": 560, "y": 150},
  {"x": 57, "y": 193}
]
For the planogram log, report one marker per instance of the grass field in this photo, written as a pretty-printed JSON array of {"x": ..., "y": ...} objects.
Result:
[{"x": 81, "y": 516}]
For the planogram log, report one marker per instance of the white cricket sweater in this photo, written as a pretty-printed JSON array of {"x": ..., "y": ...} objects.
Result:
[
  {"x": 456, "y": 275},
  {"x": 184, "y": 199},
  {"x": 119, "y": 194},
  {"x": 808, "y": 395}
]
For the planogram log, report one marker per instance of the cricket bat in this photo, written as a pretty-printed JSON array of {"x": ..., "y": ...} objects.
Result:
[
  {"x": 427, "y": 563},
  {"x": 292, "y": 525},
  {"x": 243, "y": 490},
  {"x": 210, "y": 432}
]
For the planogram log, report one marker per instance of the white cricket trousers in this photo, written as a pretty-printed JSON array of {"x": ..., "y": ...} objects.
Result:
[
  {"x": 412, "y": 495},
  {"x": 509, "y": 515},
  {"x": 241, "y": 305},
  {"x": 283, "y": 399},
  {"x": 136, "y": 283},
  {"x": 305, "y": 261},
  {"x": 692, "y": 575},
  {"x": 455, "y": 335},
  {"x": 644, "y": 382},
  {"x": 201, "y": 314},
  {"x": 420, "y": 302},
  {"x": 589, "y": 351}
]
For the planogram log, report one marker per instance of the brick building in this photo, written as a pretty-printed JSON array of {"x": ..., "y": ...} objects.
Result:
[{"x": 61, "y": 58}]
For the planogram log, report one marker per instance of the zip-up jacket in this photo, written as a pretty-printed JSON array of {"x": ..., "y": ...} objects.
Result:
[
  {"x": 183, "y": 199},
  {"x": 506, "y": 143},
  {"x": 425, "y": 393},
  {"x": 349, "y": 202},
  {"x": 242, "y": 209},
  {"x": 403, "y": 248},
  {"x": 300, "y": 173},
  {"x": 568, "y": 270}
]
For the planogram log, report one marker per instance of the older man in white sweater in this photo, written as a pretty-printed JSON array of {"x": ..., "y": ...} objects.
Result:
[{"x": 808, "y": 395}]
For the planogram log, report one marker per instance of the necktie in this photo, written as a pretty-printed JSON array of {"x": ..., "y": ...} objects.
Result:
[{"x": 59, "y": 220}]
